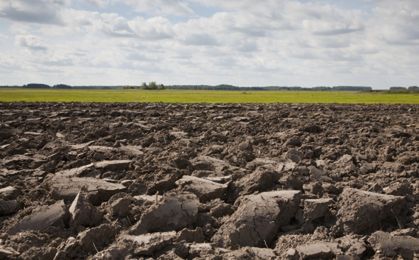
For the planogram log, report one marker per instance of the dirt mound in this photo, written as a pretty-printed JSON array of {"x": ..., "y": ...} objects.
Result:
[{"x": 165, "y": 181}]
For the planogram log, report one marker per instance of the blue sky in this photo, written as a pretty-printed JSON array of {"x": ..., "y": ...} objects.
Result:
[{"x": 247, "y": 42}]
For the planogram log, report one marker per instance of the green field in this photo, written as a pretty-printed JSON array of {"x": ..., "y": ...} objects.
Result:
[{"x": 204, "y": 96}]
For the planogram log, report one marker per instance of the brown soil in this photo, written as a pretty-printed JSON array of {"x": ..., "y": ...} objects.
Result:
[{"x": 115, "y": 181}]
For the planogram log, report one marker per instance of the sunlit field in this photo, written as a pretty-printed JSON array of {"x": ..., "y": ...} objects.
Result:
[{"x": 205, "y": 96}]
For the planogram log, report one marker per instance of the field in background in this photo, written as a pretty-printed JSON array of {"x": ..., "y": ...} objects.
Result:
[{"x": 204, "y": 96}]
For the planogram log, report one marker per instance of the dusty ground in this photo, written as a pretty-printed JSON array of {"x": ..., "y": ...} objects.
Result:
[{"x": 208, "y": 181}]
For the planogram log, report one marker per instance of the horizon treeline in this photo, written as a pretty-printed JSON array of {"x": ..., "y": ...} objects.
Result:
[{"x": 154, "y": 86}]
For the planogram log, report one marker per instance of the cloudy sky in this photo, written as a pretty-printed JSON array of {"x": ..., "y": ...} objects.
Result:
[{"x": 242, "y": 42}]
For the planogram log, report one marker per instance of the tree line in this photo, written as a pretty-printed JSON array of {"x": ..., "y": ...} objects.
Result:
[{"x": 155, "y": 86}]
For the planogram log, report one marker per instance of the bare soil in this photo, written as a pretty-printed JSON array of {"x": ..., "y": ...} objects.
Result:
[{"x": 138, "y": 181}]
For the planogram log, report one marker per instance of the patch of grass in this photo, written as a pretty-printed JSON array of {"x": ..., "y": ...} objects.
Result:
[{"x": 204, "y": 96}]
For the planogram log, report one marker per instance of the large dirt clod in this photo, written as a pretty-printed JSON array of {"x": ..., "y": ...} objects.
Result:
[
  {"x": 358, "y": 208},
  {"x": 82, "y": 213},
  {"x": 68, "y": 187},
  {"x": 316, "y": 208},
  {"x": 173, "y": 212},
  {"x": 388, "y": 245},
  {"x": 86, "y": 243},
  {"x": 42, "y": 218},
  {"x": 205, "y": 189},
  {"x": 148, "y": 244},
  {"x": 120, "y": 207},
  {"x": 76, "y": 172},
  {"x": 319, "y": 250},
  {"x": 258, "y": 181},
  {"x": 258, "y": 219},
  {"x": 113, "y": 165},
  {"x": 216, "y": 166}
]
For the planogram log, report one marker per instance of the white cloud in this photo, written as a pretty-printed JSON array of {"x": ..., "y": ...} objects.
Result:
[
  {"x": 154, "y": 28},
  {"x": 160, "y": 7},
  {"x": 99, "y": 3},
  {"x": 396, "y": 22},
  {"x": 30, "y": 42},
  {"x": 115, "y": 25},
  {"x": 201, "y": 41},
  {"x": 33, "y": 11}
]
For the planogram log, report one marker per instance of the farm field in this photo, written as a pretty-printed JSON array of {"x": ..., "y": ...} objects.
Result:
[
  {"x": 209, "y": 130},
  {"x": 208, "y": 181},
  {"x": 204, "y": 96}
]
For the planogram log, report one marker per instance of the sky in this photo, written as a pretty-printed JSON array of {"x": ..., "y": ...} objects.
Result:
[{"x": 240, "y": 42}]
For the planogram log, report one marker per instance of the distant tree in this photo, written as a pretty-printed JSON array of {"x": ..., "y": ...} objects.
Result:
[
  {"x": 36, "y": 85},
  {"x": 398, "y": 89},
  {"x": 322, "y": 88},
  {"x": 352, "y": 88},
  {"x": 62, "y": 86},
  {"x": 152, "y": 86}
]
